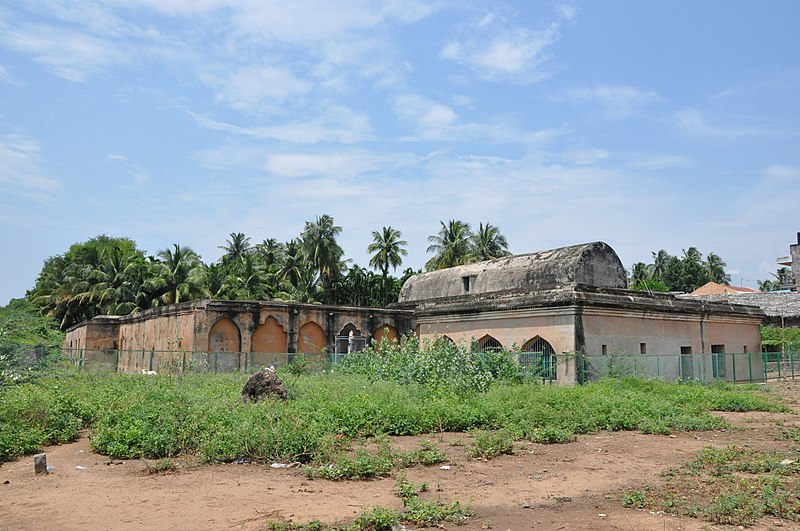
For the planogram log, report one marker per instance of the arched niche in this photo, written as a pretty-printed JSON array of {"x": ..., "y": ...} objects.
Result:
[
  {"x": 224, "y": 336},
  {"x": 310, "y": 339},
  {"x": 388, "y": 332},
  {"x": 269, "y": 337},
  {"x": 488, "y": 343}
]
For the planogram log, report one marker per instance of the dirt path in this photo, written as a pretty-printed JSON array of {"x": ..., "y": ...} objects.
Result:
[{"x": 569, "y": 486}]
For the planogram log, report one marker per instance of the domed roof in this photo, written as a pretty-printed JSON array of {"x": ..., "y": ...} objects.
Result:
[{"x": 594, "y": 264}]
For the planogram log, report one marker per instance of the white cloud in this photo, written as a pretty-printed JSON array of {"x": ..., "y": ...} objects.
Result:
[
  {"x": 255, "y": 87},
  {"x": 499, "y": 50},
  {"x": 583, "y": 157},
  {"x": 568, "y": 12},
  {"x": 335, "y": 123},
  {"x": 424, "y": 114},
  {"x": 69, "y": 54},
  {"x": 660, "y": 162},
  {"x": 693, "y": 122},
  {"x": 620, "y": 100},
  {"x": 780, "y": 174},
  {"x": 20, "y": 172},
  {"x": 339, "y": 165},
  {"x": 139, "y": 175},
  {"x": 432, "y": 120}
]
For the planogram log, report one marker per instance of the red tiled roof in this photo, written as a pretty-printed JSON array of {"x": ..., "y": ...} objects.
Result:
[{"x": 712, "y": 288}]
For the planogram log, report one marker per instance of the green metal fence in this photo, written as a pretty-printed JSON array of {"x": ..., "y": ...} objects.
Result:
[
  {"x": 740, "y": 367},
  {"x": 577, "y": 367},
  {"x": 180, "y": 361}
]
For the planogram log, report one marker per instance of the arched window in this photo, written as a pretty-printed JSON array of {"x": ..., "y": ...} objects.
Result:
[{"x": 488, "y": 343}]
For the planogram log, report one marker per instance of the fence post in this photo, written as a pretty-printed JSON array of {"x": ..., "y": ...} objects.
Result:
[
  {"x": 791, "y": 363},
  {"x": 116, "y": 360},
  {"x": 780, "y": 362},
  {"x": 750, "y": 366},
  {"x": 733, "y": 360}
]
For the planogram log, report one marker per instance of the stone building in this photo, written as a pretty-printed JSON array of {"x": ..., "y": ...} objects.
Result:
[
  {"x": 262, "y": 332},
  {"x": 575, "y": 300},
  {"x": 552, "y": 303}
]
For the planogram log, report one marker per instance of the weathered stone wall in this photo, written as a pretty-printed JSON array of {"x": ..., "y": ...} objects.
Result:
[
  {"x": 510, "y": 329},
  {"x": 265, "y": 332},
  {"x": 594, "y": 264}
]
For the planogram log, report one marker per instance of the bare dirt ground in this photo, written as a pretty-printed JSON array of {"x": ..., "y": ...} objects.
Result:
[{"x": 551, "y": 487}]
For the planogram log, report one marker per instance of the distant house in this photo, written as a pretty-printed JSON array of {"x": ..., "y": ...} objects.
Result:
[
  {"x": 792, "y": 280},
  {"x": 712, "y": 288}
]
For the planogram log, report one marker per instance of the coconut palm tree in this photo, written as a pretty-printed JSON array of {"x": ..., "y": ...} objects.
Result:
[
  {"x": 451, "y": 245},
  {"x": 660, "y": 262},
  {"x": 179, "y": 274},
  {"x": 320, "y": 247},
  {"x": 487, "y": 244},
  {"x": 389, "y": 250},
  {"x": 715, "y": 268},
  {"x": 640, "y": 272},
  {"x": 236, "y": 248}
]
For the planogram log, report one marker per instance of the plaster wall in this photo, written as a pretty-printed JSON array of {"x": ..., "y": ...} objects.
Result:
[
  {"x": 510, "y": 328},
  {"x": 667, "y": 339}
]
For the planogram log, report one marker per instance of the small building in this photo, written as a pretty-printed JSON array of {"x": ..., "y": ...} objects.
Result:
[
  {"x": 574, "y": 300},
  {"x": 791, "y": 280},
  {"x": 712, "y": 288},
  {"x": 207, "y": 331}
]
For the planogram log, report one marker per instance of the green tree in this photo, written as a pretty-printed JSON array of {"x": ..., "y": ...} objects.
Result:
[
  {"x": 179, "y": 275},
  {"x": 640, "y": 272},
  {"x": 388, "y": 251},
  {"x": 715, "y": 269},
  {"x": 487, "y": 243},
  {"x": 236, "y": 248},
  {"x": 322, "y": 251},
  {"x": 102, "y": 275},
  {"x": 451, "y": 246}
]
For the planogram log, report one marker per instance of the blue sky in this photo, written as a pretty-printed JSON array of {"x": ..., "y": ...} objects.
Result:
[{"x": 647, "y": 125}]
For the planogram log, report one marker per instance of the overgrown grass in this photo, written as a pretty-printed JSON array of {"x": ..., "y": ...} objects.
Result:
[
  {"x": 162, "y": 416},
  {"x": 416, "y": 511},
  {"x": 731, "y": 486}
]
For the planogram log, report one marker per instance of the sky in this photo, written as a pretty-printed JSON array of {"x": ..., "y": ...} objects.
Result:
[{"x": 647, "y": 125}]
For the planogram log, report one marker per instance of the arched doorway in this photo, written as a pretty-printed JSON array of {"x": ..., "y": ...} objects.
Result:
[
  {"x": 348, "y": 340},
  {"x": 539, "y": 357}
]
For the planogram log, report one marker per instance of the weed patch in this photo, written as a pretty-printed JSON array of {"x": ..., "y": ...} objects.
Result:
[{"x": 729, "y": 486}]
